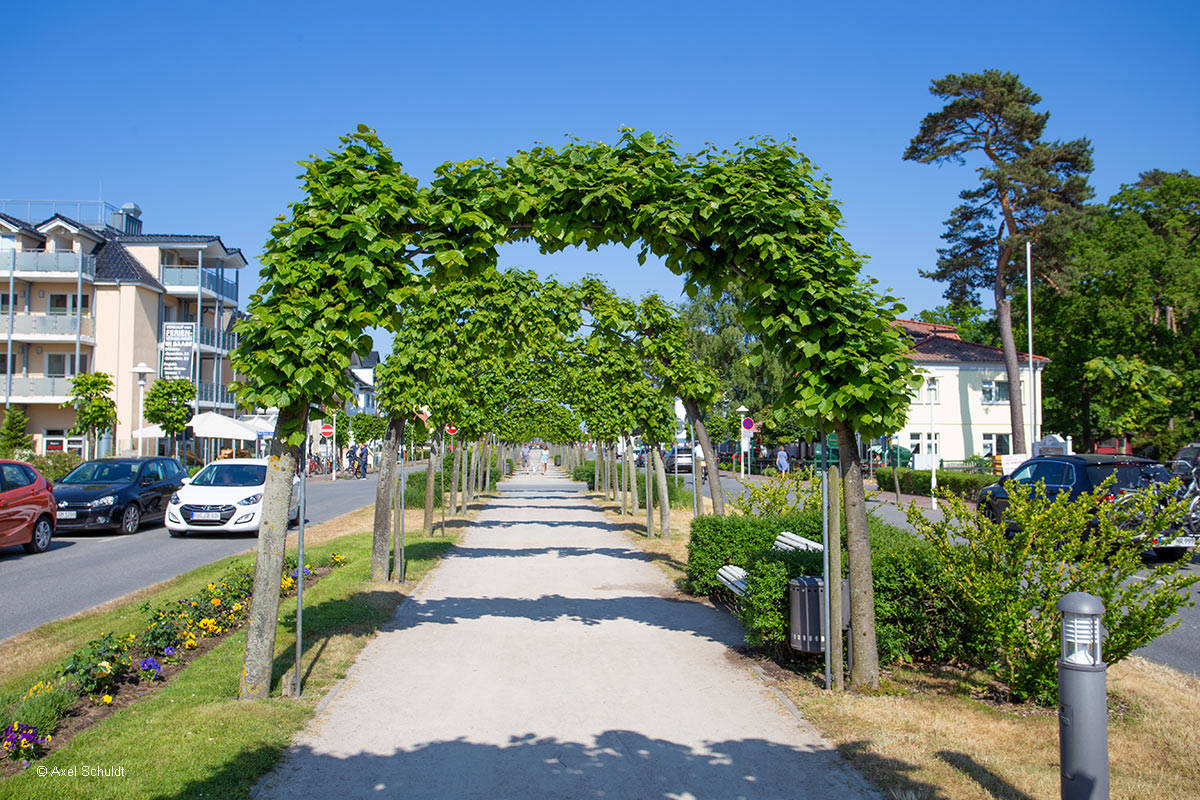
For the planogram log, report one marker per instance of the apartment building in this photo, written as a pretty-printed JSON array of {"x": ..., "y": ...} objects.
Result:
[
  {"x": 962, "y": 408},
  {"x": 84, "y": 289}
]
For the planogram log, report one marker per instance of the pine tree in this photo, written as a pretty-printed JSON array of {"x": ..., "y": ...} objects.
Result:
[{"x": 13, "y": 438}]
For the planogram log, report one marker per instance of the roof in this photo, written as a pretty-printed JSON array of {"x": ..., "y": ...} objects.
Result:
[
  {"x": 70, "y": 223},
  {"x": 21, "y": 225},
  {"x": 937, "y": 343},
  {"x": 114, "y": 263}
]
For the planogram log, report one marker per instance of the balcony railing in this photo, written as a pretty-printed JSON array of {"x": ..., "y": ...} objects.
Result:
[
  {"x": 206, "y": 392},
  {"x": 37, "y": 387},
  {"x": 221, "y": 339},
  {"x": 37, "y": 261},
  {"x": 175, "y": 276},
  {"x": 47, "y": 325}
]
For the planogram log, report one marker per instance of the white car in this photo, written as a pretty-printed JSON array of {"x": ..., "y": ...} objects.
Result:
[{"x": 226, "y": 497}]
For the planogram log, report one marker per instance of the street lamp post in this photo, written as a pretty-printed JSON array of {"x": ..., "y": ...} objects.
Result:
[
  {"x": 141, "y": 371},
  {"x": 931, "y": 385}
]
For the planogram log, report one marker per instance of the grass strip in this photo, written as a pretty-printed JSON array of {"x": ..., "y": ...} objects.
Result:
[{"x": 194, "y": 738}]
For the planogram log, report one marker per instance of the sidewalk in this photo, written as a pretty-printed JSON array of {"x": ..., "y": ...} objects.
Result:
[{"x": 548, "y": 658}]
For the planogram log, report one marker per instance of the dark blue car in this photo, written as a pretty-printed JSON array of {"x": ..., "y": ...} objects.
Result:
[{"x": 116, "y": 493}]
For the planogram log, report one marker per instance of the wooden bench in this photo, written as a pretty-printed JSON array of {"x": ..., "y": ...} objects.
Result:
[{"x": 734, "y": 577}]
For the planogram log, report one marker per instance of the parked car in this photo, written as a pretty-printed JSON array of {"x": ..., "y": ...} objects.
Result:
[
  {"x": 1076, "y": 474},
  {"x": 119, "y": 493},
  {"x": 226, "y": 496},
  {"x": 1187, "y": 459},
  {"x": 26, "y": 507},
  {"x": 679, "y": 458}
]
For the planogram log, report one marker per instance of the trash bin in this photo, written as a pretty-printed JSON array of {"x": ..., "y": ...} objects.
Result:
[
  {"x": 558, "y": 461},
  {"x": 806, "y": 627}
]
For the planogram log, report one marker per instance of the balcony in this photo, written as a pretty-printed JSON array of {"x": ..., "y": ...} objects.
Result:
[
  {"x": 47, "y": 326},
  {"x": 44, "y": 389},
  {"x": 210, "y": 392},
  {"x": 40, "y": 262},
  {"x": 218, "y": 339},
  {"x": 176, "y": 278}
]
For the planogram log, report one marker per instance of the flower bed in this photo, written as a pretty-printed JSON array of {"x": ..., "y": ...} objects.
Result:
[{"x": 113, "y": 671}]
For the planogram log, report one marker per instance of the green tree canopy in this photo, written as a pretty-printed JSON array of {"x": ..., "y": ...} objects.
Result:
[{"x": 95, "y": 410}]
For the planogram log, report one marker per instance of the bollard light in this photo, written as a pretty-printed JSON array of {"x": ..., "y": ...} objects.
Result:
[
  {"x": 1081, "y": 629},
  {"x": 1082, "y": 700}
]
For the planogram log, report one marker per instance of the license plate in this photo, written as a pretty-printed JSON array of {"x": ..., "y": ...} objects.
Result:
[
  {"x": 65, "y": 514},
  {"x": 1183, "y": 541},
  {"x": 207, "y": 515}
]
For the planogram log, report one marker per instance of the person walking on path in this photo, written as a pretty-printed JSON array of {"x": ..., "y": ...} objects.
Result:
[
  {"x": 546, "y": 657},
  {"x": 545, "y": 459},
  {"x": 781, "y": 461},
  {"x": 364, "y": 456}
]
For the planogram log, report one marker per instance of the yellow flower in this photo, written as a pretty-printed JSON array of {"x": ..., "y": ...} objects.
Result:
[
  {"x": 212, "y": 587},
  {"x": 106, "y": 699},
  {"x": 104, "y": 666},
  {"x": 216, "y": 601},
  {"x": 236, "y": 607}
]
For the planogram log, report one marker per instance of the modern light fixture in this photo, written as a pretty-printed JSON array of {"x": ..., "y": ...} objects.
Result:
[{"x": 1082, "y": 700}]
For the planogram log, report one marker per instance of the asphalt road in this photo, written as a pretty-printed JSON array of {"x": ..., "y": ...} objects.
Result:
[{"x": 83, "y": 570}]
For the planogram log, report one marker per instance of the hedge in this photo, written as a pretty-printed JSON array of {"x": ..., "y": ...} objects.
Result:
[
  {"x": 916, "y": 481},
  {"x": 910, "y": 623}
]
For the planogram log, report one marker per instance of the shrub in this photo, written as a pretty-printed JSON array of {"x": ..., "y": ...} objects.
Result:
[
  {"x": 717, "y": 541},
  {"x": 963, "y": 484},
  {"x": 41, "y": 706},
  {"x": 765, "y": 610},
  {"x": 414, "y": 490},
  {"x": 1005, "y": 579},
  {"x": 787, "y": 493},
  {"x": 101, "y": 663},
  {"x": 55, "y": 465},
  {"x": 770, "y": 472},
  {"x": 585, "y": 473}
]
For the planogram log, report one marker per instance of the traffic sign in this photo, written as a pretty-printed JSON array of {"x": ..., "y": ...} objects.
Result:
[
  {"x": 327, "y": 430},
  {"x": 748, "y": 424},
  {"x": 451, "y": 430}
]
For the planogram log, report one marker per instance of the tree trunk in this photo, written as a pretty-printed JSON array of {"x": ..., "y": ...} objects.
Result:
[
  {"x": 255, "y": 683},
  {"x": 1012, "y": 369},
  {"x": 487, "y": 473},
  {"x": 454, "y": 483},
  {"x": 865, "y": 671},
  {"x": 664, "y": 498},
  {"x": 399, "y": 481},
  {"x": 381, "y": 533},
  {"x": 710, "y": 459},
  {"x": 464, "y": 498},
  {"x": 427, "y": 523},
  {"x": 479, "y": 468},
  {"x": 836, "y": 666},
  {"x": 631, "y": 476}
]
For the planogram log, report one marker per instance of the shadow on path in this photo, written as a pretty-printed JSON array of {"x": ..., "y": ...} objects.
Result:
[{"x": 617, "y": 764}]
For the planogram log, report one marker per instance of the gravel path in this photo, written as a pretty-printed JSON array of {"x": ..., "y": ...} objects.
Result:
[{"x": 547, "y": 658}]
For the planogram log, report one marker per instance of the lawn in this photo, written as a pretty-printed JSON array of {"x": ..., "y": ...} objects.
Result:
[{"x": 193, "y": 738}]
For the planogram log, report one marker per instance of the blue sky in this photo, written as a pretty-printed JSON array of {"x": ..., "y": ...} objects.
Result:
[{"x": 198, "y": 112}]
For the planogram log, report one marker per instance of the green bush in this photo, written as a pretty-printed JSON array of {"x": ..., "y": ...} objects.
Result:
[
  {"x": 101, "y": 663},
  {"x": 55, "y": 465},
  {"x": 585, "y": 473},
  {"x": 789, "y": 493},
  {"x": 677, "y": 495},
  {"x": 765, "y": 610},
  {"x": 42, "y": 705},
  {"x": 414, "y": 490},
  {"x": 737, "y": 539},
  {"x": 963, "y": 484},
  {"x": 1005, "y": 578}
]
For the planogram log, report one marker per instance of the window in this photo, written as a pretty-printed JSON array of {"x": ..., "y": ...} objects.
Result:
[
  {"x": 1054, "y": 473},
  {"x": 4, "y": 362},
  {"x": 4, "y": 302},
  {"x": 995, "y": 391},
  {"x": 152, "y": 471},
  {"x": 60, "y": 365},
  {"x": 55, "y": 440},
  {"x": 928, "y": 389},
  {"x": 14, "y": 476},
  {"x": 65, "y": 303},
  {"x": 997, "y": 444},
  {"x": 915, "y": 441}
]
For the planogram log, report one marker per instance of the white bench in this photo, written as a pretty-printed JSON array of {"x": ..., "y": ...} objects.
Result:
[{"x": 734, "y": 577}]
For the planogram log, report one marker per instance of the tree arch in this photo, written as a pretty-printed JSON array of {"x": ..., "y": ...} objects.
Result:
[{"x": 759, "y": 215}]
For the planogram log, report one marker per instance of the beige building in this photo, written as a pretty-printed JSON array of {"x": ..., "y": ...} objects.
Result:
[
  {"x": 962, "y": 408},
  {"x": 83, "y": 289}
]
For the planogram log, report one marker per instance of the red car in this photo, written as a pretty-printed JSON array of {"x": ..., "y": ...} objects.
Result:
[{"x": 26, "y": 507}]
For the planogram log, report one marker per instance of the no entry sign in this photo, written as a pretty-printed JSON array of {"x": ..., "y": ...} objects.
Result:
[
  {"x": 451, "y": 430},
  {"x": 327, "y": 430}
]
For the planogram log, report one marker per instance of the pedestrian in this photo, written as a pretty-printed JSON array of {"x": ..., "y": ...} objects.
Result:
[
  {"x": 525, "y": 458},
  {"x": 781, "y": 461},
  {"x": 545, "y": 458},
  {"x": 363, "y": 457},
  {"x": 352, "y": 461}
]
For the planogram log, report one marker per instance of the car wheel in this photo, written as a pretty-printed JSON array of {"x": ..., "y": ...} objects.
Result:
[
  {"x": 1170, "y": 553},
  {"x": 39, "y": 541},
  {"x": 131, "y": 518}
]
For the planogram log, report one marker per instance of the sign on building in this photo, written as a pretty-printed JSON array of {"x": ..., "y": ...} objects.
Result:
[{"x": 178, "y": 342}]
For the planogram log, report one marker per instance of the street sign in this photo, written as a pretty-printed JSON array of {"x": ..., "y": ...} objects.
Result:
[
  {"x": 451, "y": 430},
  {"x": 327, "y": 430},
  {"x": 748, "y": 424}
]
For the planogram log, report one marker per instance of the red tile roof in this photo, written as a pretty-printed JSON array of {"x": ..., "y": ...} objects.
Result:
[{"x": 934, "y": 342}]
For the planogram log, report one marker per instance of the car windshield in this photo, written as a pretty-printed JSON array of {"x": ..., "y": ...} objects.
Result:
[
  {"x": 1128, "y": 476},
  {"x": 102, "y": 472},
  {"x": 232, "y": 475}
]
